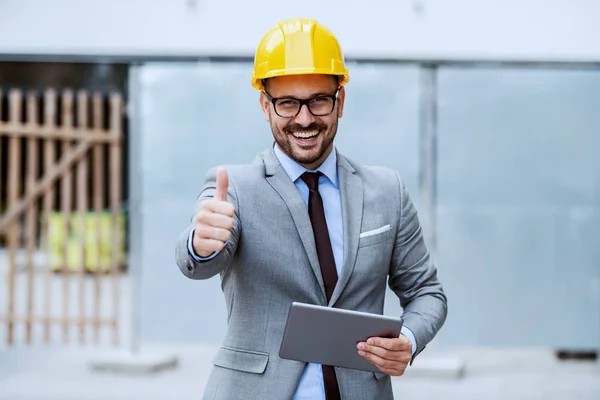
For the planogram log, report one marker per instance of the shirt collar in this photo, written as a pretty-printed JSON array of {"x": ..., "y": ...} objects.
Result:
[{"x": 294, "y": 170}]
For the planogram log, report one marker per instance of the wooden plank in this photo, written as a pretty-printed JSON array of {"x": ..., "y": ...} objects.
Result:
[
  {"x": 55, "y": 172},
  {"x": 51, "y": 320},
  {"x": 14, "y": 169},
  {"x": 48, "y": 193},
  {"x": 99, "y": 192},
  {"x": 66, "y": 191},
  {"x": 82, "y": 204},
  {"x": 115, "y": 129},
  {"x": 2, "y": 200},
  {"x": 61, "y": 133},
  {"x": 32, "y": 212}
]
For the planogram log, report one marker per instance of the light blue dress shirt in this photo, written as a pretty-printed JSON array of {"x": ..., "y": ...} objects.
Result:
[{"x": 311, "y": 385}]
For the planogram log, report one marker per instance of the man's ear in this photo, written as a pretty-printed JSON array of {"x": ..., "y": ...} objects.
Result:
[
  {"x": 264, "y": 104},
  {"x": 340, "y": 101}
]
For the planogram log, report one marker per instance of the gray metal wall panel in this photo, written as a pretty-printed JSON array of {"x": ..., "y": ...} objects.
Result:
[
  {"x": 195, "y": 116},
  {"x": 380, "y": 127},
  {"x": 519, "y": 206}
]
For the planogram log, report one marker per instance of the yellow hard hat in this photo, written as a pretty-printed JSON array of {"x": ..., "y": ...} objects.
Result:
[{"x": 298, "y": 46}]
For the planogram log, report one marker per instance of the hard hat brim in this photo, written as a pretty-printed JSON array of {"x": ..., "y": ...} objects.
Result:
[{"x": 257, "y": 81}]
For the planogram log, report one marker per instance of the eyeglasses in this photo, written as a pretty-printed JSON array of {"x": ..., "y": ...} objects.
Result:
[{"x": 289, "y": 107}]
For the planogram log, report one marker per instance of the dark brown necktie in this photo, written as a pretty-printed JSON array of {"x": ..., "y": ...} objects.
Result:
[{"x": 326, "y": 261}]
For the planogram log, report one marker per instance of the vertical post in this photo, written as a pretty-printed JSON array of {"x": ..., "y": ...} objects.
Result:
[
  {"x": 82, "y": 205},
  {"x": 134, "y": 212},
  {"x": 115, "y": 171},
  {"x": 2, "y": 205},
  {"x": 67, "y": 191},
  {"x": 32, "y": 211},
  {"x": 428, "y": 155},
  {"x": 99, "y": 192},
  {"x": 14, "y": 190},
  {"x": 2, "y": 201},
  {"x": 49, "y": 203},
  {"x": 428, "y": 160}
]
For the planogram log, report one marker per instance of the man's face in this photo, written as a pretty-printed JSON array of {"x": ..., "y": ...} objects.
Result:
[{"x": 304, "y": 137}]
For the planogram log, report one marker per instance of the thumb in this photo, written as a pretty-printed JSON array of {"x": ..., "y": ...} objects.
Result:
[{"x": 222, "y": 184}]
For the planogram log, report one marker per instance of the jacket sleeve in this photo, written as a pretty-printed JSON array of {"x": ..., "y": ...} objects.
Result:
[{"x": 413, "y": 276}]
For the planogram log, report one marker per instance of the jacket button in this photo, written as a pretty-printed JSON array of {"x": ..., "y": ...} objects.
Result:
[{"x": 190, "y": 268}]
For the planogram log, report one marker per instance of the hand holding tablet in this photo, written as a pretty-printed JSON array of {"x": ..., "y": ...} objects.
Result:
[
  {"x": 391, "y": 356},
  {"x": 332, "y": 336}
]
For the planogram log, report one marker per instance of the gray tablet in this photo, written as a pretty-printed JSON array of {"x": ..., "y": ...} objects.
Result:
[{"x": 328, "y": 336}]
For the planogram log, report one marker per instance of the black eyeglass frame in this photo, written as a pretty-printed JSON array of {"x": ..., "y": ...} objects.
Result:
[{"x": 303, "y": 102}]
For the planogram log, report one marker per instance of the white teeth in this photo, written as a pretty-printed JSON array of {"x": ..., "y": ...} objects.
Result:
[{"x": 306, "y": 134}]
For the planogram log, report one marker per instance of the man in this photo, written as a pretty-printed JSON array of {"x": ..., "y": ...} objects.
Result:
[{"x": 304, "y": 223}]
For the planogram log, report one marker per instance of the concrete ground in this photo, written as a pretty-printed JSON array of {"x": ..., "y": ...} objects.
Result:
[
  {"x": 57, "y": 372},
  {"x": 65, "y": 374}
]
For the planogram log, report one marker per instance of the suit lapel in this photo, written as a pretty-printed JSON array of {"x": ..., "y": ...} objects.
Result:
[
  {"x": 351, "y": 193},
  {"x": 280, "y": 181}
]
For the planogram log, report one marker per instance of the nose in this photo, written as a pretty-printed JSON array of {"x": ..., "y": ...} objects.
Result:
[{"x": 304, "y": 117}]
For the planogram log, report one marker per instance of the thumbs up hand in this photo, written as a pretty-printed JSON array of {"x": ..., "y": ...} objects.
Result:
[
  {"x": 214, "y": 220},
  {"x": 222, "y": 184}
]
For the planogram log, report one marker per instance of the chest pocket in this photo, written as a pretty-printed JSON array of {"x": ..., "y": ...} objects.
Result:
[{"x": 377, "y": 235}]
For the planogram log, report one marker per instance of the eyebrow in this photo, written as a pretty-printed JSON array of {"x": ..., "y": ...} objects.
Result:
[
  {"x": 323, "y": 94},
  {"x": 308, "y": 97}
]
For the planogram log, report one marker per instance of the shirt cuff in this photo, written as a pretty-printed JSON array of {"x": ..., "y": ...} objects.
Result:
[
  {"x": 407, "y": 332},
  {"x": 193, "y": 253}
]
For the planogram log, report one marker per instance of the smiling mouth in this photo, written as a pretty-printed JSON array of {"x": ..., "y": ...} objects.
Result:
[{"x": 306, "y": 134}]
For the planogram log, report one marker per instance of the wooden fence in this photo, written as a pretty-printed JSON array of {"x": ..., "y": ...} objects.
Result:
[{"x": 60, "y": 214}]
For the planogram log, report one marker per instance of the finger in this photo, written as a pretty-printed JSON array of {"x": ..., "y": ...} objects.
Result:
[
  {"x": 214, "y": 220},
  {"x": 207, "y": 246},
  {"x": 222, "y": 184},
  {"x": 393, "y": 368},
  {"x": 210, "y": 232},
  {"x": 394, "y": 344},
  {"x": 386, "y": 366},
  {"x": 219, "y": 207},
  {"x": 380, "y": 352}
]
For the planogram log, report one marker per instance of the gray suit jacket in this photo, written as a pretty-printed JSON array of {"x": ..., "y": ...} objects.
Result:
[{"x": 271, "y": 261}]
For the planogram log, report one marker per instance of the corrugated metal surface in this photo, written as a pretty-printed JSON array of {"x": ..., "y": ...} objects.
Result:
[
  {"x": 519, "y": 206},
  {"x": 519, "y": 190},
  {"x": 195, "y": 116}
]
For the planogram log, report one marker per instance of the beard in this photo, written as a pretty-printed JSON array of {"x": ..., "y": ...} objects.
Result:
[{"x": 305, "y": 156}]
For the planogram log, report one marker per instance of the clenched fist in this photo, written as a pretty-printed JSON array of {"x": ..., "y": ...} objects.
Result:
[{"x": 214, "y": 220}]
